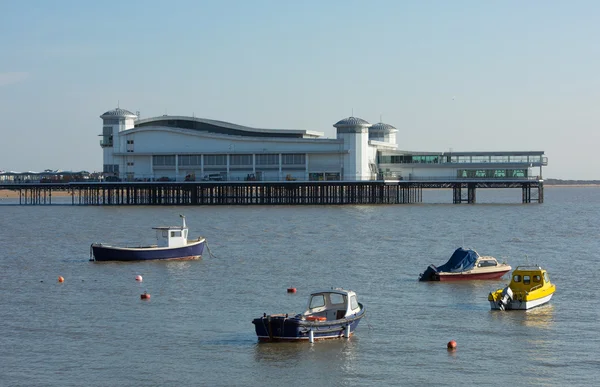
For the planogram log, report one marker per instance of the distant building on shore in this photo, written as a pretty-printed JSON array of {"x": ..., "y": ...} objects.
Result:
[{"x": 178, "y": 148}]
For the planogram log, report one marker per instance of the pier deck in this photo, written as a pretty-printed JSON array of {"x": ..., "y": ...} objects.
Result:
[{"x": 262, "y": 193}]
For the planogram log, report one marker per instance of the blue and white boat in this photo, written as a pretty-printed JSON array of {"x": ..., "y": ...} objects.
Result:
[
  {"x": 171, "y": 243},
  {"x": 331, "y": 314}
]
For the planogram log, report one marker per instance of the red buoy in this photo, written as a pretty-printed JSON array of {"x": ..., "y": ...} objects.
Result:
[
  {"x": 291, "y": 290},
  {"x": 61, "y": 279},
  {"x": 145, "y": 296},
  {"x": 452, "y": 345}
]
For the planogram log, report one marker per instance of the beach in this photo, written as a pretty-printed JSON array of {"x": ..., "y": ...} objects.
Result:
[{"x": 11, "y": 194}]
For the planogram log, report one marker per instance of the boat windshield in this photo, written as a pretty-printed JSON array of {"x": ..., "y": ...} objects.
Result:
[{"x": 317, "y": 301}]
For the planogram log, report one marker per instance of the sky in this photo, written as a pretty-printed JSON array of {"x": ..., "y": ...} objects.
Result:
[{"x": 449, "y": 75}]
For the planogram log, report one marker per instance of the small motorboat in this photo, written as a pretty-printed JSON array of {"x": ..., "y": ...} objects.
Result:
[
  {"x": 330, "y": 314},
  {"x": 466, "y": 264},
  {"x": 529, "y": 287},
  {"x": 171, "y": 243}
]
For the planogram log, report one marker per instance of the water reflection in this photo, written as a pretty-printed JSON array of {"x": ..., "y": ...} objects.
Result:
[
  {"x": 340, "y": 354},
  {"x": 540, "y": 317}
]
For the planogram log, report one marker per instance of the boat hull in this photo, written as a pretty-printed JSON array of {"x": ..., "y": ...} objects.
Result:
[
  {"x": 278, "y": 328},
  {"x": 101, "y": 253},
  {"x": 522, "y": 305},
  {"x": 472, "y": 275}
]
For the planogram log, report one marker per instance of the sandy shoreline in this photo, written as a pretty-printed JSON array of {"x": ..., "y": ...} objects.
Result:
[{"x": 10, "y": 194}]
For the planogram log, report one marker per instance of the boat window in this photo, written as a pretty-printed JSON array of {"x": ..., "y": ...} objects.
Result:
[
  {"x": 486, "y": 263},
  {"x": 317, "y": 301},
  {"x": 517, "y": 278},
  {"x": 175, "y": 234},
  {"x": 165, "y": 234},
  {"x": 526, "y": 279},
  {"x": 337, "y": 298},
  {"x": 546, "y": 277},
  {"x": 536, "y": 278},
  {"x": 353, "y": 303}
]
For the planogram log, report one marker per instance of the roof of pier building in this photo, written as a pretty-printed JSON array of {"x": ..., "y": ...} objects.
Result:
[
  {"x": 351, "y": 122},
  {"x": 382, "y": 128},
  {"x": 222, "y": 127},
  {"x": 118, "y": 112}
]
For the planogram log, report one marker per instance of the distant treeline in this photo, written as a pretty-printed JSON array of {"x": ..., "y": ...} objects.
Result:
[{"x": 569, "y": 182}]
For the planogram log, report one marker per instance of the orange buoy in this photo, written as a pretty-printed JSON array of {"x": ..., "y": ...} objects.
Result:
[
  {"x": 145, "y": 296},
  {"x": 291, "y": 290},
  {"x": 452, "y": 345},
  {"x": 61, "y": 279},
  {"x": 138, "y": 278}
]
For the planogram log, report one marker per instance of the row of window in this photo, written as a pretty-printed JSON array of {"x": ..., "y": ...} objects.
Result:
[
  {"x": 237, "y": 159},
  {"x": 491, "y": 173},
  {"x": 437, "y": 159},
  {"x": 527, "y": 279}
]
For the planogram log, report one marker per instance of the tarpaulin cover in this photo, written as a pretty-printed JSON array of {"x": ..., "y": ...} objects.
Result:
[{"x": 461, "y": 260}]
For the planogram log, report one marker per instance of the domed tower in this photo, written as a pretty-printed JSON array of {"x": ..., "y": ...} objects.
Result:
[
  {"x": 355, "y": 133},
  {"x": 383, "y": 132},
  {"x": 113, "y": 122}
]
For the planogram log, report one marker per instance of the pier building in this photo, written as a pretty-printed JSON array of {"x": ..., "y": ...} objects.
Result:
[{"x": 181, "y": 148}]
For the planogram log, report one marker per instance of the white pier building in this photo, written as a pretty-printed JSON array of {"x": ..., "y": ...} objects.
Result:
[{"x": 178, "y": 148}]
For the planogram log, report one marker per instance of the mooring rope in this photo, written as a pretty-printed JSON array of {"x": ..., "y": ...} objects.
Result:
[{"x": 208, "y": 249}]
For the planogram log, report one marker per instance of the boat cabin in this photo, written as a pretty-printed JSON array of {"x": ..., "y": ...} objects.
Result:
[
  {"x": 172, "y": 236},
  {"x": 528, "y": 278},
  {"x": 329, "y": 305},
  {"x": 486, "y": 261}
]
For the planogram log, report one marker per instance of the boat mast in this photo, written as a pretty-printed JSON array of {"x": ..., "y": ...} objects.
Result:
[{"x": 183, "y": 217}]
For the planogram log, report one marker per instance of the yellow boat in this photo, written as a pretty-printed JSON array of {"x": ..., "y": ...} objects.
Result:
[{"x": 529, "y": 287}]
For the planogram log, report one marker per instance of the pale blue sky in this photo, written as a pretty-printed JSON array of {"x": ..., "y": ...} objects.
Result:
[{"x": 461, "y": 75}]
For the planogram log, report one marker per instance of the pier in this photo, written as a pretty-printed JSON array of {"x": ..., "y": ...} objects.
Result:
[{"x": 262, "y": 193}]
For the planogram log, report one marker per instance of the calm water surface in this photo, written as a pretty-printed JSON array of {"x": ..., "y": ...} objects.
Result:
[{"x": 94, "y": 330}]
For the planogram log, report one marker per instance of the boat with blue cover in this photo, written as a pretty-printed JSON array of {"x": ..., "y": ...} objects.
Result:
[
  {"x": 171, "y": 243},
  {"x": 466, "y": 264},
  {"x": 330, "y": 314}
]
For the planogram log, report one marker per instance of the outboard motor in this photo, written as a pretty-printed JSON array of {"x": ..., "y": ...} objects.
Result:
[{"x": 507, "y": 296}]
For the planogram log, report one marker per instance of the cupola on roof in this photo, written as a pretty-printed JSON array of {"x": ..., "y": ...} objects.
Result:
[
  {"x": 351, "y": 121},
  {"x": 118, "y": 112},
  {"x": 382, "y": 127}
]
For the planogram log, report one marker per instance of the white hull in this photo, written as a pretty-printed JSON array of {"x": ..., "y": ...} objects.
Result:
[{"x": 522, "y": 305}]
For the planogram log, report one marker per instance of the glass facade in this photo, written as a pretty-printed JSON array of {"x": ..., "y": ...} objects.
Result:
[
  {"x": 186, "y": 160},
  {"x": 491, "y": 173},
  {"x": 163, "y": 160},
  {"x": 449, "y": 158}
]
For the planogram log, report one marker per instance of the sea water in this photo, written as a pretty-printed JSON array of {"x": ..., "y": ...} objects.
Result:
[{"x": 94, "y": 330}]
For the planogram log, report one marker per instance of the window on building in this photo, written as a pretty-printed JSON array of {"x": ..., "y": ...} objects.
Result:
[
  {"x": 163, "y": 160},
  {"x": 293, "y": 159},
  {"x": 240, "y": 159},
  {"x": 267, "y": 159},
  {"x": 215, "y": 160},
  {"x": 111, "y": 121},
  {"x": 190, "y": 159}
]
